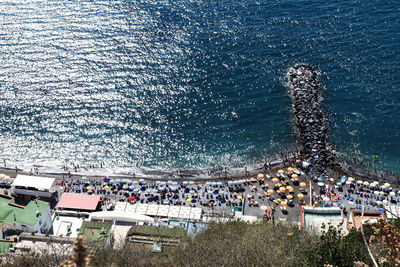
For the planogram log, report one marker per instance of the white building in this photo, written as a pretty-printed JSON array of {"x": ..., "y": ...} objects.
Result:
[{"x": 35, "y": 186}]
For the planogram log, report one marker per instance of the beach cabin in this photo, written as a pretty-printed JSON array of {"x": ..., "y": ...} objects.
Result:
[
  {"x": 314, "y": 218},
  {"x": 33, "y": 218},
  {"x": 369, "y": 217},
  {"x": 33, "y": 186}
]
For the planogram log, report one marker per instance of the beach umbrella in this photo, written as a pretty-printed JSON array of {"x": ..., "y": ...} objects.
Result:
[
  {"x": 289, "y": 188},
  {"x": 331, "y": 179},
  {"x": 106, "y": 187},
  {"x": 135, "y": 182},
  {"x": 84, "y": 178},
  {"x": 275, "y": 180},
  {"x": 131, "y": 198},
  {"x": 192, "y": 192},
  {"x": 387, "y": 185},
  {"x": 125, "y": 187},
  {"x": 189, "y": 200},
  {"x": 295, "y": 176},
  {"x": 365, "y": 183},
  {"x": 351, "y": 202},
  {"x": 385, "y": 202},
  {"x": 282, "y": 189},
  {"x": 270, "y": 191},
  {"x": 290, "y": 169},
  {"x": 289, "y": 197},
  {"x": 392, "y": 194},
  {"x": 300, "y": 195},
  {"x": 381, "y": 193},
  {"x": 320, "y": 184},
  {"x": 351, "y": 179},
  {"x": 348, "y": 182},
  {"x": 360, "y": 182},
  {"x": 281, "y": 171},
  {"x": 131, "y": 187},
  {"x": 319, "y": 179},
  {"x": 283, "y": 203},
  {"x": 260, "y": 176},
  {"x": 89, "y": 188},
  {"x": 298, "y": 161},
  {"x": 379, "y": 202},
  {"x": 125, "y": 180},
  {"x": 339, "y": 184},
  {"x": 239, "y": 197},
  {"x": 376, "y": 192},
  {"x": 263, "y": 208},
  {"x": 303, "y": 184}
]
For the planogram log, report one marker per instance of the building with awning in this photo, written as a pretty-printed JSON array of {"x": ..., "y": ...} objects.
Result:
[
  {"x": 78, "y": 202},
  {"x": 33, "y": 186}
]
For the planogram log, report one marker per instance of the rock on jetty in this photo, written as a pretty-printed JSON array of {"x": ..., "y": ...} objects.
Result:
[{"x": 311, "y": 125}]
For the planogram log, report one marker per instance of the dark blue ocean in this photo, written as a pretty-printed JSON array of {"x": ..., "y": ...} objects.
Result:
[{"x": 172, "y": 85}]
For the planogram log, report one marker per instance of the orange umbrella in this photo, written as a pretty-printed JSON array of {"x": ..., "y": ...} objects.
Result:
[
  {"x": 260, "y": 176},
  {"x": 282, "y": 189},
  {"x": 295, "y": 176},
  {"x": 270, "y": 191},
  {"x": 303, "y": 184},
  {"x": 289, "y": 187},
  {"x": 300, "y": 196},
  {"x": 283, "y": 203},
  {"x": 275, "y": 180},
  {"x": 290, "y": 169},
  {"x": 289, "y": 197},
  {"x": 281, "y": 171}
]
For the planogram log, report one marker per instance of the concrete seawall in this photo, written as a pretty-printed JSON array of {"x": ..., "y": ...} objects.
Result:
[{"x": 311, "y": 124}]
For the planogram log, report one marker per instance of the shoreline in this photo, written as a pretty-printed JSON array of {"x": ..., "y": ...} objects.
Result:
[{"x": 234, "y": 173}]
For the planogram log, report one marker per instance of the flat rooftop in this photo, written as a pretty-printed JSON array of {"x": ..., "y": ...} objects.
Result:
[
  {"x": 78, "y": 202},
  {"x": 92, "y": 231},
  {"x": 11, "y": 213}
]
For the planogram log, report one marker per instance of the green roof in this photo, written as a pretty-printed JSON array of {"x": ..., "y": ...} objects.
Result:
[
  {"x": 26, "y": 215},
  {"x": 163, "y": 232},
  {"x": 91, "y": 231},
  {"x": 5, "y": 246}
]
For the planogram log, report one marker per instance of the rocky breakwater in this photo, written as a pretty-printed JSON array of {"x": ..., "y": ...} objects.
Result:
[{"x": 311, "y": 124}]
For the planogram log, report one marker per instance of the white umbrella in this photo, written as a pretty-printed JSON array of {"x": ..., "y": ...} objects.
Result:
[
  {"x": 385, "y": 202},
  {"x": 348, "y": 182},
  {"x": 351, "y": 179},
  {"x": 379, "y": 202},
  {"x": 376, "y": 192},
  {"x": 387, "y": 185},
  {"x": 359, "y": 181},
  {"x": 366, "y": 183},
  {"x": 351, "y": 202},
  {"x": 381, "y": 193},
  {"x": 392, "y": 194},
  {"x": 320, "y": 184}
]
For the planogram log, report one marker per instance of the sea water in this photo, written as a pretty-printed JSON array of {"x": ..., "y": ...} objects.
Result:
[{"x": 167, "y": 85}]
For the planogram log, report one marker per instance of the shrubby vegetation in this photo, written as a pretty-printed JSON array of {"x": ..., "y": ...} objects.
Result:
[{"x": 241, "y": 244}]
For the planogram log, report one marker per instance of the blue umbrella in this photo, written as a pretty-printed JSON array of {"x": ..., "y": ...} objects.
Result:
[
  {"x": 320, "y": 179},
  {"x": 339, "y": 184},
  {"x": 125, "y": 187},
  {"x": 131, "y": 187},
  {"x": 192, "y": 192}
]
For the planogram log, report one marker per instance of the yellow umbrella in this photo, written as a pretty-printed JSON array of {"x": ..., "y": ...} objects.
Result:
[
  {"x": 283, "y": 203},
  {"x": 89, "y": 187},
  {"x": 275, "y": 180},
  {"x": 106, "y": 187},
  {"x": 290, "y": 169},
  {"x": 189, "y": 200},
  {"x": 303, "y": 184},
  {"x": 289, "y": 187},
  {"x": 239, "y": 197},
  {"x": 281, "y": 171},
  {"x": 289, "y": 197},
  {"x": 270, "y": 191},
  {"x": 295, "y": 176},
  {"x": 260, "y": 176},
  {"x": 300, "y": 195},
  {"x": 282, "y": 189}
]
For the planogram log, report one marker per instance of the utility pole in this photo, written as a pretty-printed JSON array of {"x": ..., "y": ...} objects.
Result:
[{"x": 310, "y": 195}]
